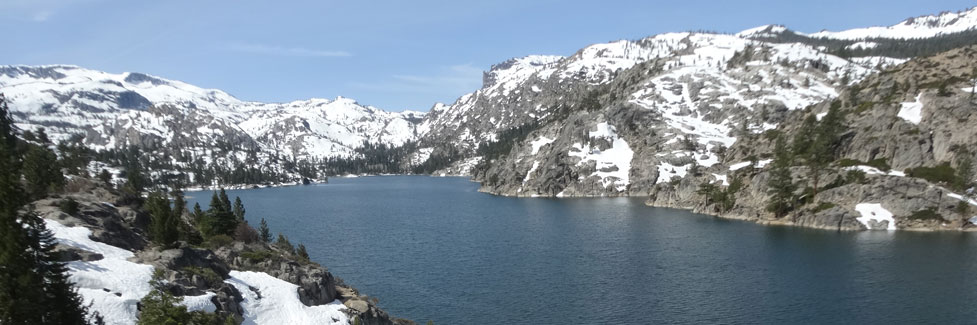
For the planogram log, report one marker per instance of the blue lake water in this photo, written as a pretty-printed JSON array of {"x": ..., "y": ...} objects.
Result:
[{"x": 436, "y": 249}]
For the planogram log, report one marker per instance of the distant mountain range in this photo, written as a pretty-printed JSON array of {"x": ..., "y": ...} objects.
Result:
[{"x": 616, "y": 118}]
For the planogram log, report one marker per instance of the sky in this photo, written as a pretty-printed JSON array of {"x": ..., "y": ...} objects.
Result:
[{"x": 394, "y": 55}]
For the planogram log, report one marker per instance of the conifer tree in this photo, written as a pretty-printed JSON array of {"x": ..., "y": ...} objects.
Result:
[
  {"x": 284, "y": 244},
  {"x": 238, "y": 209},
  {"x": 41, "y": 172},
  {"x": 34, "y": 286},
  {"x": 225, "y": 202},
  {"x": 302, "y": 253},
  {"x": 164, "y": 225},
  {"x": 105, "y": 177},
  {"x": 197, "y": 213},
  {"x": 219, "y": 220},
  {"x": 780, "y": 183},
  {"x": 264, "y": 231}
]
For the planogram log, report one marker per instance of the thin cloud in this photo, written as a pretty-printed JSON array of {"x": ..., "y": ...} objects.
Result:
[
  {"x": 284, "y": 51},
  {"x": 41, "y": 16},
  {"x": 454, "y": 80},
  {"x": 37, "y": 10}
]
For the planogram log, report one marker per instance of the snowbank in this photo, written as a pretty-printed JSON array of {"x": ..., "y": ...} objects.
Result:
[
  {"x": 269, "y": 300},
  {"x": 874, "y": 212},
  {"x": 875, "y": 171},
  {"x": 912, "y": 111},
  {"x": 113, "y": 285}
]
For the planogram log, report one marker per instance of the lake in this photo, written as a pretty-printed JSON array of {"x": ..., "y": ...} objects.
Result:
[{"x": 436, "y": 249}]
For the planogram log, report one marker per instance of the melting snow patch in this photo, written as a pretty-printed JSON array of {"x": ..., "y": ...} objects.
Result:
[
  {"x": 668, "y": 171},
  {"x": 278, "y": 302},
  {"x": 99, "y": 281},
  {"x": 912, "y": 111},
  {"x": 875, "y": 171},
  {"x": 874, "y": 212},
  {"x": 200, "y": 303},
  {"x": 961, "y": 198},
  {"x": 613, "y": 164},
  {"x": 539, "y": 143},
  {"x": 738, "y": 166},
  {"x": 763, "y": 163},
  {"x": 722, "y": 178}
]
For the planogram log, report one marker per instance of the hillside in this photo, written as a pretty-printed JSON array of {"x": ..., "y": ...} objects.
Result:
[{"x": 192, "y": 130}]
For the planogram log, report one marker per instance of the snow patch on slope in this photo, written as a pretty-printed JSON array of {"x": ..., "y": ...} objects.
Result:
[
  {"x": 874, "y": 212},
  {"x": 613, "y": 164},
  {"x": 269, "y": 300},
  {"x": 912, "y": 111},
  {"x": 113, "y": 273}
]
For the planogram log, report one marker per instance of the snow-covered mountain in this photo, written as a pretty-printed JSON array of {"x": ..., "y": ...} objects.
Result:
[
  {"x": 916, "y": 27},
  {"x": 663, "y": 115},
  {"x": 625, "y": 115},
  {"x": 176, "y": 119},
  {"x": 69, "y": 99}
]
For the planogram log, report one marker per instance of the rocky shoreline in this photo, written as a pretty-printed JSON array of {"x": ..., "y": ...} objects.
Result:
[{"x": 190, "y": 271}]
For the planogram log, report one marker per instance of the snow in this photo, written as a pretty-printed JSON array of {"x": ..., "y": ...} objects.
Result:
[
  {"x": 200, "y": 303},
  {"x": 763, "y": 163},
  {"x": 422, "y": 155},
  {"x": 874, "y": 211},
  {"x": 539, "y": 143},
  {"x": 99, "y": 281},
  {"x": 738, "y": 166},
  {"x": 83, "y": 99},
  {"x": 668, "y": 171},
  {"x": 863, "y": 45},
  {"x": 912, "y": 111},
  {"x": 918, "y": 27},
  {"x": 613, "y": 165},
  {"x": 269, "y": 300},
  {"x": 762, "y": 31},
  {"x": 722, "y": 178},
  {"x": 962, "y": 198},
  {"x": 875, "y": 171}
]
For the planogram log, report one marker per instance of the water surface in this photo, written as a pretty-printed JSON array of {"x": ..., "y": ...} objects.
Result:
[{"x": 436, "y": 249}]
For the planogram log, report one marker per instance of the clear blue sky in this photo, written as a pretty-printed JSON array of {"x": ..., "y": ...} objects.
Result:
[{"x": 391, "y": 54}]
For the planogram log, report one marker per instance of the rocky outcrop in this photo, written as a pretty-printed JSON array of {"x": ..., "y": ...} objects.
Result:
[
  {"x": 919, "y": 114},
  {"x": 196, "y": 271}
]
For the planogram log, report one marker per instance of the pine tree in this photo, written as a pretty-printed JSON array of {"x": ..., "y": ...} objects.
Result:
[
  {"x": 965, "y": 173},
  {"x": 780, "y": 183},
  {"x": 34, "y": 286},
  {"x": 264, "y": 231},
  {"x": 816, "y": 142},
  {"x": 41, "y": 172},
  {"x": 219, "y": 219},
  {"x": 302, "y": 253},
  {"x": 284, "y": 244},
  {"x": 179, "y": 203},
  {"x": 135, "y": 180},
  {"x": 238, "y": 209},
  {"x": 197, "y": 213},
  {"x": 225, "y": 203},
  {"x": 105, "y": 177},
  {"x": 164, "y": 225}
]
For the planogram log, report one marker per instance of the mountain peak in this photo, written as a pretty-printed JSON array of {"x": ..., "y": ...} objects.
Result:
[
  {"x": 912, "y": 28},
  {"x": 763, "y": 31}
]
